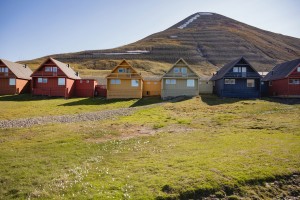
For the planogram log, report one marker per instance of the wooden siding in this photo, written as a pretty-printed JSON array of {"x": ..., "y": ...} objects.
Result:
[
  {"x": 283, "y": 88},
  {"x": 205, "y": 87},
  {"x": 124, "y": 90},
  {"x": 85, "y": 88},
  {"x": 22, "y": 86},
  {"x": 179, "y": 89},
  {"x": 151, "y": 88},
  {"x": 51, "y": 88}
]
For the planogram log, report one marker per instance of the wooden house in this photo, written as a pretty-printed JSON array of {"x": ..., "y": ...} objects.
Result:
[
  {"x": 151, "y": 86},
  {"x": 14, "y": 78},
  {"x": 284, "y": 79},
  {"x": 180, "y": 80},
  {"x": 237, "y": 79},
  {"x": 124, "y": 82},
  {"x": 205, "y": 86},
  {"x": 54, "y": 78}
]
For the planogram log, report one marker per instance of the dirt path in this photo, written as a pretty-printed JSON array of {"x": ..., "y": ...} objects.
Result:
[{"x": 91, "y": 116}]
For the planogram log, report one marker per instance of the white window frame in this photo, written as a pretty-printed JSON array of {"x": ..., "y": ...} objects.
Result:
[
  {"x": 48, "y": 69},
  {"x": 251, "y": 83},
  {"x": 294, "y": 81},
  {"x": 235, "y": 69},
  {"x": 54, "y": 69},
  {"x": 229, "y": 81},
  {"x": 170, "y": 81},
  {"x": 190, "y": 82},
  {"x": 115, "y": 81},
  {"x": 244, "y": 69},
  {"x": 40, "y": 80},
  {"x": 184, "y": 70},
  {"x": 5, "y": 70},
  {"x": 134, "y": 83},
  {"x": 61, "y": 81},
  {"x": 12, "y": 81},
  {"x": 298, "y": 69},
  {"x": 176, "y": 70},
  {"x": 45, "y": 80},
  {"x": 121, "y": 70}
]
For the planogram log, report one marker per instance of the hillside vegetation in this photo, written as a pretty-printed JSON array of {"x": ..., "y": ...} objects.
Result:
[{"x": 177, "y": 150}]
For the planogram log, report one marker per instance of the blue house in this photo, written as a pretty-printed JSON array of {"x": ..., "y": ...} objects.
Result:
[{"x": 237, "y": 79}]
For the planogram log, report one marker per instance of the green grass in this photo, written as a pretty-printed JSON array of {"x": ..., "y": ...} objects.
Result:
[
  {"x": 214, "y": 144},
  {"x": 23, "y": 106}
]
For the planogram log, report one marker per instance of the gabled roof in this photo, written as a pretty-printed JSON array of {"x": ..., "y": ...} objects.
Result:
[
  {"x": 185, "y": 63},
  {"x": 124, "y": 62},
  {"x": 226, "y": 68},
  {"x": 66, "y": 69},
  {"x": 19, "y": 70},
  {"x": 282, "y": 70}
]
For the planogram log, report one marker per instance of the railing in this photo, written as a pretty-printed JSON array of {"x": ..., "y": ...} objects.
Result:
[
  {"x": 241, "y": 74},
  {"x": 45, "y": 74},
  {"x": 124, "y": 75}
]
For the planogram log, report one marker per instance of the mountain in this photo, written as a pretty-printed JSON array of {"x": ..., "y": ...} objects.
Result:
[{"x": 205, "y": 40}]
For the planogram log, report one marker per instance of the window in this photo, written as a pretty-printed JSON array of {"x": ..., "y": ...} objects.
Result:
[
  {"x": 250, "y": 82},
  {"x": 42, "y": 80},
  {"x": 239, "y": 69},
  {"x": 190, "y": 83},
  {"x": 294, "y": 81},
  {"x": 176, "y": 70},
  {"x": 61, "y": 81},
  {"x": 87, "y": 81},
  {"x": 270, "y": 83},
  {"x": 81, "y": 81},
  {"x": 48, "y": 69},
  {"x": 298, "y": 69},
  {"x": 183, "y": 70},
  {"x": 134, "y": 83},
  {"x": 54, "y": 69},
  {"x": 170, "y": 81},
  {"x": 121, "y": 70},
  {"x": 147, "y": 82},
  {"x": 115, "y": 81},
  {"x": 244, "y": 69},
  {"x": 229, "y": 81},
  {"x": 235, "y": 69},
  {"x": 12, "y": 81}
]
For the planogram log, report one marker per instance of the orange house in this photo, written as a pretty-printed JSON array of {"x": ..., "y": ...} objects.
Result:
[
  {"x": 54, "y": 78},
  {"x": 124, "y": 82},
  {"x": 151, "y": 86},
  {"x": 14, "y": 78}
]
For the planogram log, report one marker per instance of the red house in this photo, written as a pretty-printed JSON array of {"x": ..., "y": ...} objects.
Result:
[
  {"x": 284, "y": 79},
  {"x": 54, "y": 78},
  {"x": 85, "y": 87},
  {"x": 14, "y": 78}
]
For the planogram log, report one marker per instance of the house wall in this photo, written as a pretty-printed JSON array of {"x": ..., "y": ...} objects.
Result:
[
  {"x": 151, "y": 88},
  {"x": 218, "y": 88},
  {"x": 51, "y": 88},
  {"x": 22, "y": 86},
  {"x": 205, "y": 87},
  {"x": 5, "y": 88},
  {"x": 124, "y": 90},
  {"x": 85, "y": 88},
  {"x": 178, "y": 89},
  {"x": 283, "y": 88}
]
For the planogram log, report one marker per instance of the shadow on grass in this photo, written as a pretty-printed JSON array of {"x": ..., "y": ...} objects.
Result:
[
  {"x": 287, "y": 101},
  {"x": 25, "y": 97},
  {"x": 147, "y": 101},
  {"x": 213, "y": 100}
]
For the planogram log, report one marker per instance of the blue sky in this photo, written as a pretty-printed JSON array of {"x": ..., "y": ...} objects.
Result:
[{"x": 36, "y": 28}]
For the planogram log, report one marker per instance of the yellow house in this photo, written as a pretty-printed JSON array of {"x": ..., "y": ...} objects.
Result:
[
  {"x": 151, "y": 86},
  {"x": 124, "y": 82}
]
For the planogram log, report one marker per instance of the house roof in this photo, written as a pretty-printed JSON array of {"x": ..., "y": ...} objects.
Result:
[
  {"x": 282, "y": 70},
  {"x": 120, "y": 64},
  {"x": 226, "y": 68},
  {"x": 151, "y": 78},
  {"x": 67, "y": 70},
  {"x": 19, "y": 70},
  {"x": 187, "y": 65}
]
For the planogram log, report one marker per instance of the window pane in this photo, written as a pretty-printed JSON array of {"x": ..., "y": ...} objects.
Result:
[
  {"x": 45, "y": 80},
  {"x": 173, "y": 81},
  {"x": 190, "y": 83},
  {"x": 250, "y": 82},
  {"x": 134, "y": 83},
  {"x": 235, "y": 69},
  {"x": 183, "y": 70},
  {"x": 54, "y": 69},
  {"x": 176, "y": 70},
  {"x": 118, "y": 81},
  {"x": 47, "y": 69},
  {"x": 298, "y": 69},
  {"x": 61, "y": 81},
  {"x": 244, "y": 69},
  {"x": 168, "y": 81},
  {"x": 12, "y": 81},
  {"x": 120, "y": 70},
  {"x": 40, "y": 80}
]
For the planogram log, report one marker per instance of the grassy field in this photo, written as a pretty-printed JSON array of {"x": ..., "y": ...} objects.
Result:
[
  {"x": 177, "y": 150},
  {"x": 24, "y": 106}
]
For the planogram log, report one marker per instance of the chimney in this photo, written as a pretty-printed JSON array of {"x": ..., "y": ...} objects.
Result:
[
  {"x": 25, "y": 66},
  {"x": 68, "y": 65},
  {"x": 77, "y": 73}
]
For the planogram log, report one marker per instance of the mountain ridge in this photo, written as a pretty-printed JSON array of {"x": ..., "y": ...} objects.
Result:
[{"x": 205, "y": 40}]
